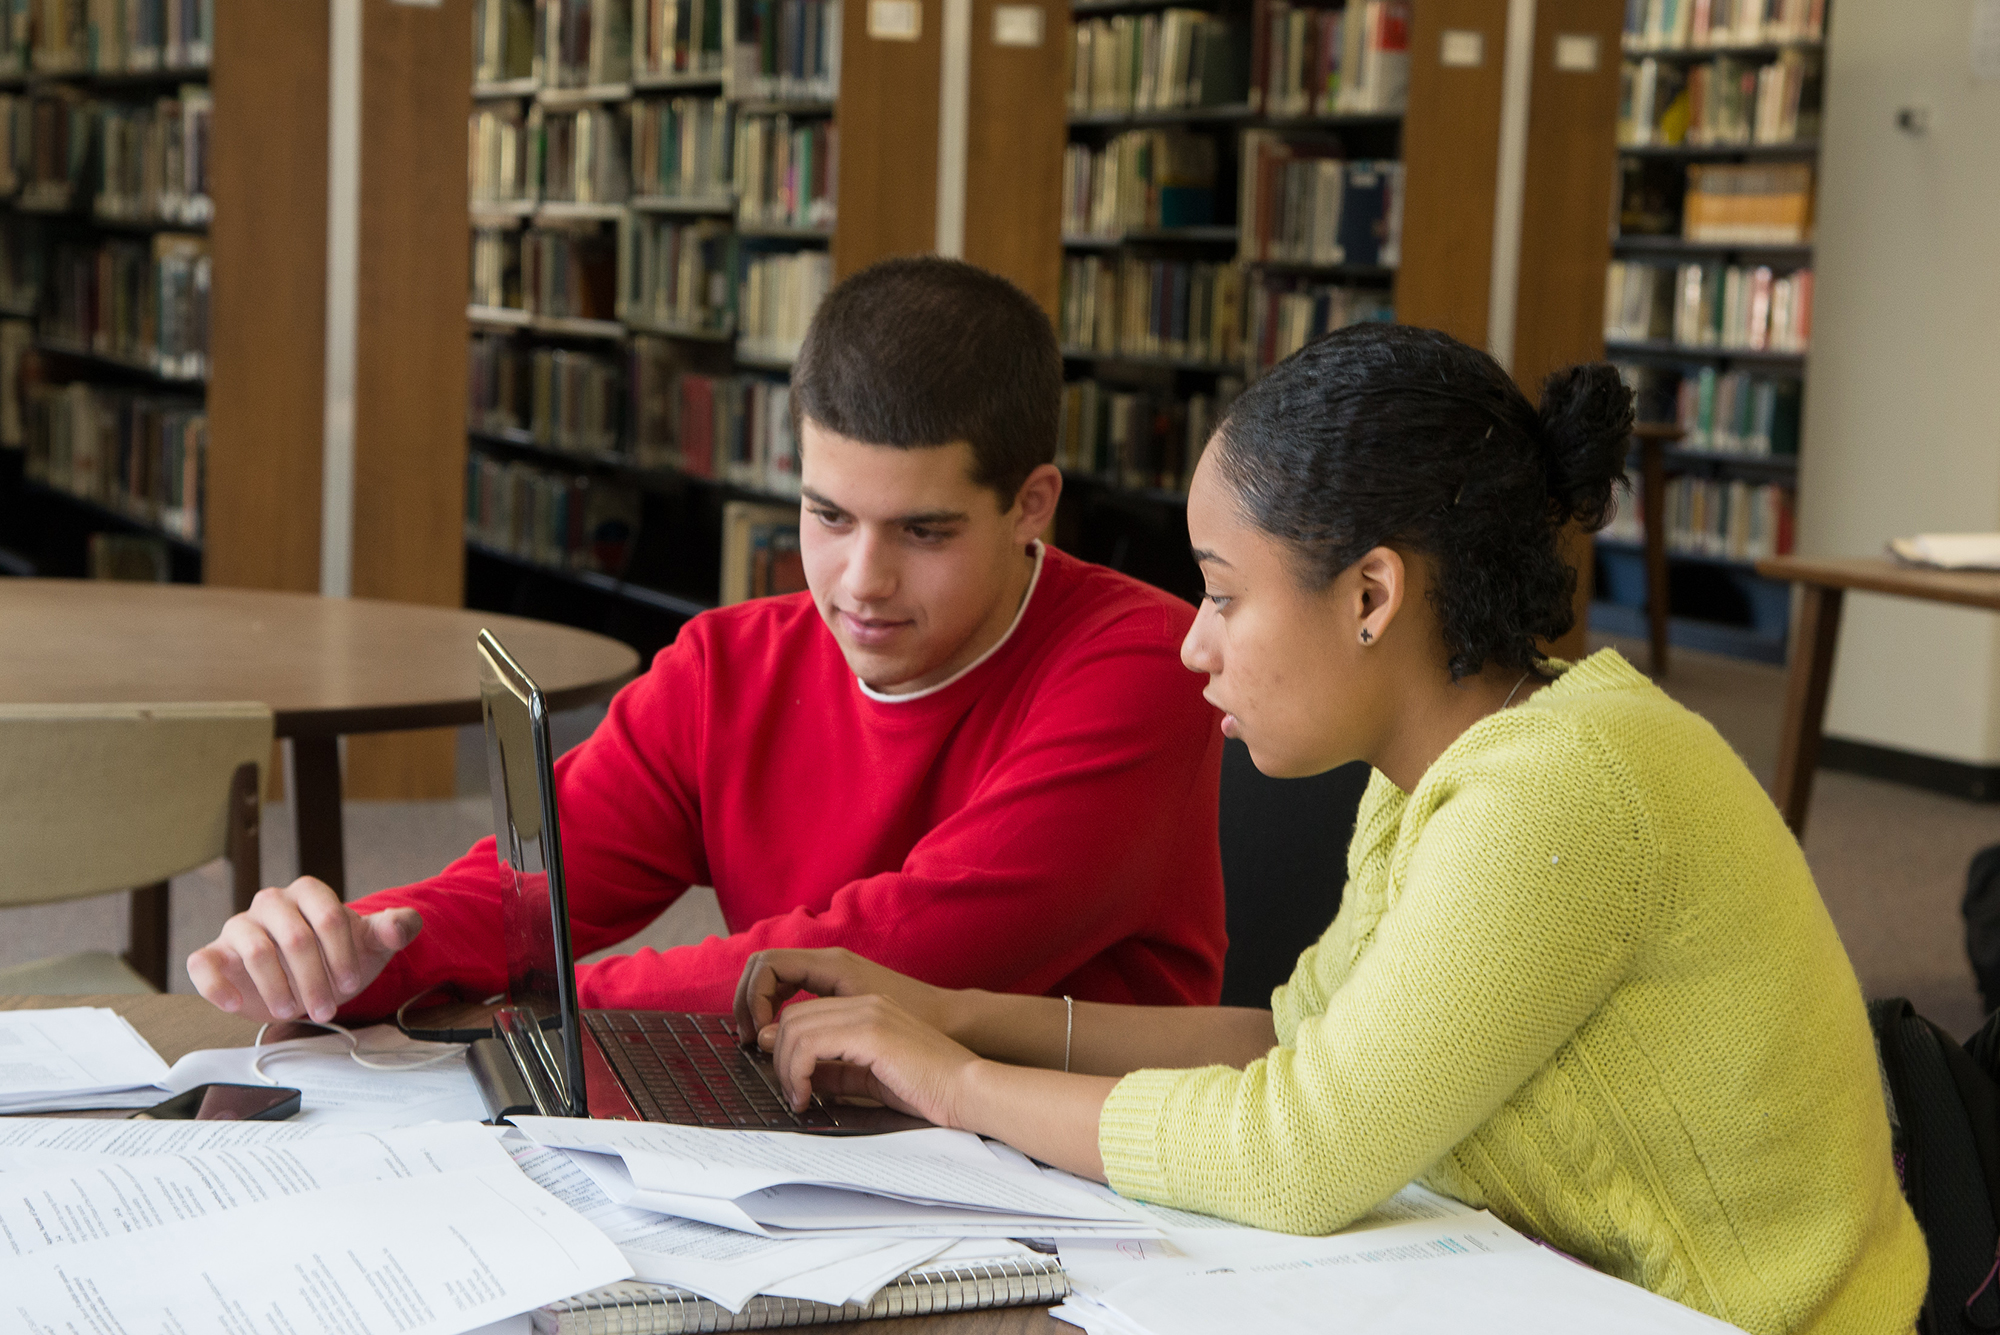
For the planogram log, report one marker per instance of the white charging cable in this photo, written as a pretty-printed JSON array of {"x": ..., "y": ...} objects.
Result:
[{"x": 454, "y": 1050}]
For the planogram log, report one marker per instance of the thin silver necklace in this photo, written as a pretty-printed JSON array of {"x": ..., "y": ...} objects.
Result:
[{"x": 1517, "y": 689}]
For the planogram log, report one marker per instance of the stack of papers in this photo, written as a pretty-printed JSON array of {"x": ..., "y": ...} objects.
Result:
[
  {"x": 1442, "y": 1269},
  {"x": 1949, "y": 551},
  {"x": 933, "y": 1183},
  {"x": 77, "y": 1057},
  {"x": 424, "y": 1231}
]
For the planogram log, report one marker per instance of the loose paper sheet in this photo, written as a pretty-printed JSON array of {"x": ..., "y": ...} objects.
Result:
[
  {"x": 438, "y": 1254},
  {"x": 337, "y": 1090},
  {"x": 75, "y": 1057}
]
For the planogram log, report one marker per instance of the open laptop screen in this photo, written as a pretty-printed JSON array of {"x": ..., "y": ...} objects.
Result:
[{"x": 541, "y": 973}]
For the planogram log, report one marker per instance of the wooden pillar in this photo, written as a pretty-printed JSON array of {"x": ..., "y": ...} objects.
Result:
[
  {"x": 887, "y": 119},
  {"x": 1014, "y": 151},
  {"x": 410, "y": 350}
]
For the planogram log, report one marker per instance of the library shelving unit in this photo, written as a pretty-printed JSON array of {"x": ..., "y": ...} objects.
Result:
[
  {"x": 104, "y": 277},
  {"x": 1708, "y": 312},
  {"x": 652, "y": 218}
]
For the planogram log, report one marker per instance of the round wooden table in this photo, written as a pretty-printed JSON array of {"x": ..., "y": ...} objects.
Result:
[{"x": 325, "y": 666}]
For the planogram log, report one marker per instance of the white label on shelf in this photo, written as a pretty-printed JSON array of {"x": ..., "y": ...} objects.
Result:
[
  {"x": 895, "y": 20},
  {"x": 1576, "y": 52},
  {"x": 1017, "y": 25},
  {"x": 1986, "y": 40},
  {"x": 1462, "y": 48}
]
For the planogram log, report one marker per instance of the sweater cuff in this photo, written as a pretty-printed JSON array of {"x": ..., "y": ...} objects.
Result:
[{"x": 1128, "y": 1134}]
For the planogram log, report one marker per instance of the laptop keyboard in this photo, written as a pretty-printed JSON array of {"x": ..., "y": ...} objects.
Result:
[{"x": 690, "y": 1070}]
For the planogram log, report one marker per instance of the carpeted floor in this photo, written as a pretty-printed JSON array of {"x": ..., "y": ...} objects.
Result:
[{"x": 1890, "y": 860}]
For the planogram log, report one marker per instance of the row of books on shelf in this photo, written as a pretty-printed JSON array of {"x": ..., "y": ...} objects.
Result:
[
  {"x": 644, "y": 405},
  {"x": 787, "y": 171},
  {"x": 1301, "y": 203},
  {"x": 1721, "y": 103},
  {"x": 1726, "y": 520},
  {"x": 1208, "y": 314},
  {"x": 776, "y": 170},
  {"x": 1291, "y": 62},
  {"x": 682, "y": 277},
  {"x": 1139, "y": 180},
  {"x": 1735, "y": 413},
  {"x": 562, "y": 520},
  {"x": 677, "y": 275},
  {"x": 1138, "y": 438},
  {"x": 139, "y": 455},
  {"x": 1162, "y": 61},
  {"x": 1677, "y": 24},
  {"x": 561, "y": 399},
  {"x": 786, "y": 50},
  {"x": 1709, "y": 306},
  {"x": 135, "y": 162},
  {"x": 104, "y": 36},
  {"x": 779, "y": 49},
  {"x": 1153, "y": 308},
  {"x": 131, "y": 301},
  {"x": 1311, "y": 61},
  {"x": 731, "y": 427},
  {"x": 1748, "y": 203}
]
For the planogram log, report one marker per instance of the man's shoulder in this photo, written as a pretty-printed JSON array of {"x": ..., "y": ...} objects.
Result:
[
  {"x": 1095, "y": 600},
  {"x": 774, "y": 632}
]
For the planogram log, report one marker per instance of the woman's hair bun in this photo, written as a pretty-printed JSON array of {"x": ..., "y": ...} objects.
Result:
[{"x": 1585, "y": 430}]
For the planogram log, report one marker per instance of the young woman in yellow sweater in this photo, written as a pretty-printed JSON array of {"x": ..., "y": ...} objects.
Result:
[{"x": 1580, "y": 974}]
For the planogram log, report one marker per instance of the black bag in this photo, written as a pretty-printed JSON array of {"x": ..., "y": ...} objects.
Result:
[
  {"x": 1944, "y": 1111},
  {"x": 1982, "y": 923}
]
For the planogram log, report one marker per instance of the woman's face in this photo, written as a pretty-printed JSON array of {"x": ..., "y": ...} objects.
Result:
[{"x": 1284, "y": 663}]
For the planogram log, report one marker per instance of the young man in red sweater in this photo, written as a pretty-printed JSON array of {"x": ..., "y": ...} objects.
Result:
[{"x": 961, "y": 754}]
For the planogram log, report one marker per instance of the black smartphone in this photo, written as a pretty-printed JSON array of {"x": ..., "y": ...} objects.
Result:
[{"x": 225, "y": 1103}]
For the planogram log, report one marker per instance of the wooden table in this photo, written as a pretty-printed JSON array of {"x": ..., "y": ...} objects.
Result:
[
  {"x": 325, "y": 666},
  {"x": 1823, "y": 587},
  {"x": 179, "y": 1025}
]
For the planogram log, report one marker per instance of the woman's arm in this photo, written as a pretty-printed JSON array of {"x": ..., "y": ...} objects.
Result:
[{"x": 1099, "y": 1038}]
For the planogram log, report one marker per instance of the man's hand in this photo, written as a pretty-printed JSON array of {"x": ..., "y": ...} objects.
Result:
[
  {"x": 298, "y": 952},
  {"x": 773, "y": 977}
]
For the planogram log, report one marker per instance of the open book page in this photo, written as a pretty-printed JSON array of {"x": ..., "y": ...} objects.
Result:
[
  {"x": 336, "y": 1089},
  {"x": 75, "y": 1057}
]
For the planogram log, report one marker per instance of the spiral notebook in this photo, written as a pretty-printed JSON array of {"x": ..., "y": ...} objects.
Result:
[{"x": 634, "y": 1308}]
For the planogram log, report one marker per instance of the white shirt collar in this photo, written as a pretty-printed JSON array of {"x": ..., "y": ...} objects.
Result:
[{"x": 991, "y": 650}]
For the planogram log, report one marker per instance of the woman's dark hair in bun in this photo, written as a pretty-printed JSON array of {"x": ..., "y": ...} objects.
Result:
[{"x": 1383, "y": 433}]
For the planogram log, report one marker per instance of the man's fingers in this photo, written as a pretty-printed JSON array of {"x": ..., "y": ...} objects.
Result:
[{"x": 259, "y": 956}]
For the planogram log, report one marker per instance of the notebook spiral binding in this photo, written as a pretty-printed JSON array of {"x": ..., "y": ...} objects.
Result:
[{"x": 632, "y": 1308}]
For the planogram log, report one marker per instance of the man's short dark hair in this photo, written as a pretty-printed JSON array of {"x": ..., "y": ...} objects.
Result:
[{"x": 926, "y": 351}]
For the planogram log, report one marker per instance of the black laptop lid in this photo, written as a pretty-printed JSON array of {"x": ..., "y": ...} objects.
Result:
[{"x": 541, "y": 972}]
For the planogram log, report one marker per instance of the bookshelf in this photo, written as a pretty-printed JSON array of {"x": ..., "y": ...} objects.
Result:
[
  {"x": 104, "y": 277},
  {"x": 1708, "y": 314},
  {"x": 652, "y": 227}
]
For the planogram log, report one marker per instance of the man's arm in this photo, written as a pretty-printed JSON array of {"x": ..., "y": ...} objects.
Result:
[
  {"x": 634, "y": 844},
  {"x": 1086, "y": 860}
]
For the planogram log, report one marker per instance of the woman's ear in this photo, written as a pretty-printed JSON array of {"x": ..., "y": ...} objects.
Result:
[{"x": 1382, "y": 580}]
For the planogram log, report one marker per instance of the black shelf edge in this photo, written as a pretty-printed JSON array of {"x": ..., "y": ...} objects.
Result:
[
  {"x": 1748, "y": 50},
  {"x": 785, "y": 106},
  {"x": 651, "y": 477},
  {"x": 1374, "y": 273},
  {"x": 657, "y": 599},
  {"x": 130, "y": 523},
  {"x": 664, "y": 83},
  {"x": 1673, "y": 247},
  {"x": 1118, "y": 6},
  {"x": 1203, "y": 236},
  {"x": 1797, "y": 148},
  {"x": 1782, "y": 468},
  {"x": 56, "y": 348},
  {"x": 1231, "y": 114},
  {"x": 690, "y": 206},
  {"x": 1680, "y": 352},
  {"x": 690, "y": 333},
  {"x": 1747, "y": 565},
  {"x": 1145, "y": 359},
  {"x": 782, "y": 232}
]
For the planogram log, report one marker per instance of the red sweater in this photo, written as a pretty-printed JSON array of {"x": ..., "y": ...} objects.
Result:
[{"x": 1045, "y": 823}]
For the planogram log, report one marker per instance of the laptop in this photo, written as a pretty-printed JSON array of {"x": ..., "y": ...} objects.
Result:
[{"x": 549, "y": 1056}]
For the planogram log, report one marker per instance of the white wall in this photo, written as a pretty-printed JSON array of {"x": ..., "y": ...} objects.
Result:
[{"x": 1903, "y": 401}]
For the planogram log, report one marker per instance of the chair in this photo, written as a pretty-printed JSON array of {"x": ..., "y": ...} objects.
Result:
[
  {"x": 99, "y": 798},
  {"x": 1284, "y": 864}
]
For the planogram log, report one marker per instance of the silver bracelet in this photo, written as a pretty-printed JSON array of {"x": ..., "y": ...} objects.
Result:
[{"x": 1069, "y": 1029}]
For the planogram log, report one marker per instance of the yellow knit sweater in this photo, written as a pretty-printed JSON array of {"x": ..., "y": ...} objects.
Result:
[{"x": 1580, "y": 977}]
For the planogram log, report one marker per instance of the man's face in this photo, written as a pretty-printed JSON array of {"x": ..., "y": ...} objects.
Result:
[{"x": 915, "y": 568}]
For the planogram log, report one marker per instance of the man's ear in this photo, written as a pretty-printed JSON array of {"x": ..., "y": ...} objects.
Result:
[
  {"x": 1383, "y": 581},
  {"x": 1035, "y": 503}
]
